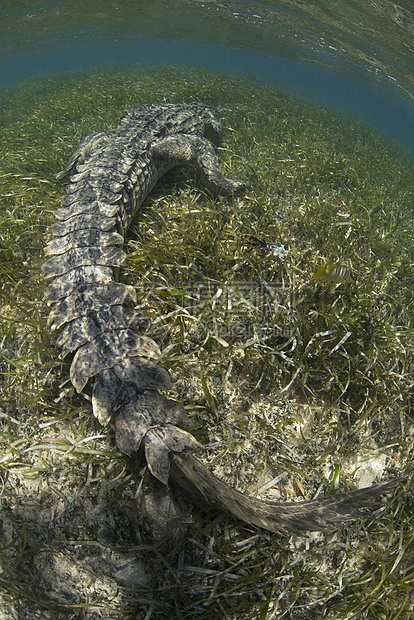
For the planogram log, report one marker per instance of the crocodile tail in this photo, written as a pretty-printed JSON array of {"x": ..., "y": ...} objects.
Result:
[{"x": 287, "y": 517}]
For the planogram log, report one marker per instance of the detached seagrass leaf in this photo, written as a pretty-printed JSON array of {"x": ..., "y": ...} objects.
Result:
[{"x": 160, "y": 442}]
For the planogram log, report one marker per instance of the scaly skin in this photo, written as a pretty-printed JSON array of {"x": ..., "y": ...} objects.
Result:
[{"x": 107, "y": 179}]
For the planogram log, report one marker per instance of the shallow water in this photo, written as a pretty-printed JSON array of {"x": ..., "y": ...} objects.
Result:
[
  {"x": 355, "y": 56},
  {"x": 328, "y": 191}
]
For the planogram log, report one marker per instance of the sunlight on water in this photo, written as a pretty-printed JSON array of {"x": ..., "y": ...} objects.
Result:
[{"x": 355, "y": 57}]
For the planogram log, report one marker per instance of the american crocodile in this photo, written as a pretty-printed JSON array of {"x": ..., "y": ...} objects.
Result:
[{"x": 107, "y": 179}]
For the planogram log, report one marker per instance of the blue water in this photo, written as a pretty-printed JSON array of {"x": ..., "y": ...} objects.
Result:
[{"x": 364, "y": 66}]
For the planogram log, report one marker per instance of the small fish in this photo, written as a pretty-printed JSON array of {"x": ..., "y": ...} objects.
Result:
[
  {"x": 333, "y": 273},
  {"x": 264, "y": 248},
  {"x": 278, "y": 250},
  {"x": 255, "y": 243}
]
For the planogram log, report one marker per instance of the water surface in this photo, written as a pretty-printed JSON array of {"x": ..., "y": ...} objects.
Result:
[{"x": 356, "y": 56}]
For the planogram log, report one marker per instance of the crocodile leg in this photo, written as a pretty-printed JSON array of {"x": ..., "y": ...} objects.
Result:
[{"x": 180, "y": 150}]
